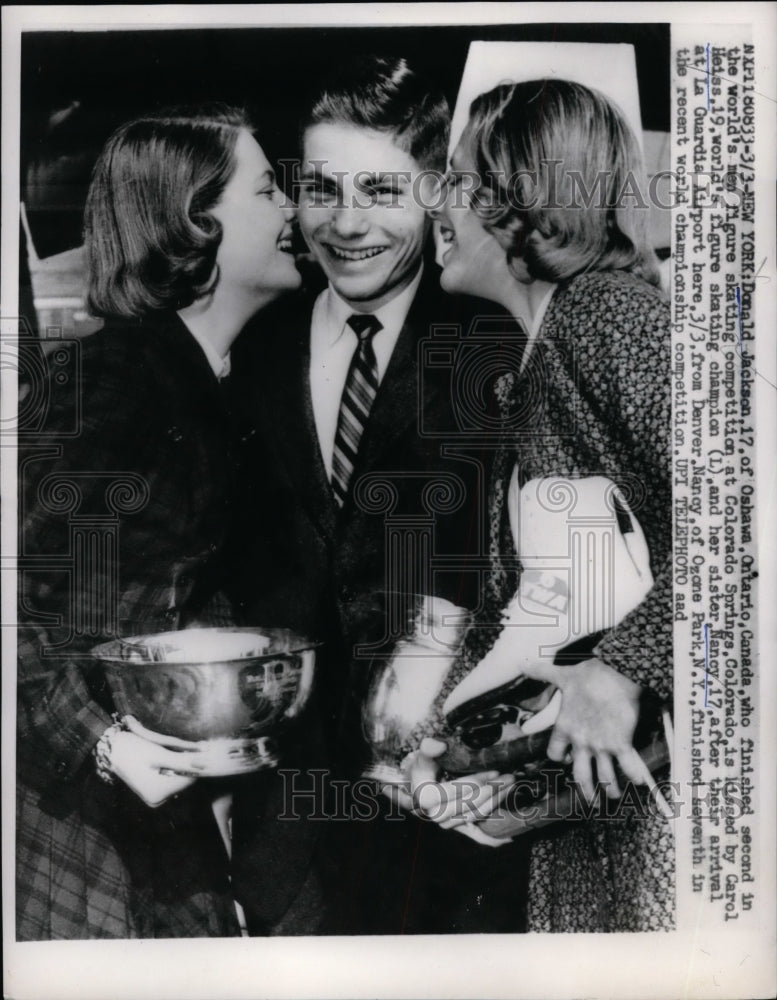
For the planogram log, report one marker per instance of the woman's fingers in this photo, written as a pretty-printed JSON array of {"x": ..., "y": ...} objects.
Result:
[
  {"x": 182, "y": 762},
  {"x": 605, "y": 774},
  {"x": 431, "y": 747},
  {"x": 441, "y": 801},
  {"x": 160, "y": 739},
  {"x": 399, "y": 796},
  {"x": 448, "y": 803},
  {"x": 160, "y": 758},
  {"x": 464, "y": 800},
  {"x": 421, "y": 770},
  {"x": 634, "y": 767},
  {"x": 506, "y": 782},
  {"x": 149, "y": 770},
  {"x": 557, "y": 744},
  {"x": 479, "y": 778},
  {"x": 545, "y": 718},
  {"x": 434, "y": 800},
  {"x": 582, "y": 773}
]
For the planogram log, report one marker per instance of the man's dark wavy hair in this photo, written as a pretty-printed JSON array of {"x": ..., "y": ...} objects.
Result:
[{"x": 383, "y": 93}]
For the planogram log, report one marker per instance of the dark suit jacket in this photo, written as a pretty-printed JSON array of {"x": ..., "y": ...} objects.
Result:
[
  {"x": 302, "y": 562},
  {"x": 125, "y": 491}
]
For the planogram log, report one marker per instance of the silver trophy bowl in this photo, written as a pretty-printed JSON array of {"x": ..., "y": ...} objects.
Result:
[
  {"x": 210, "y": 683},
  {"x": 404, "y": 693}
]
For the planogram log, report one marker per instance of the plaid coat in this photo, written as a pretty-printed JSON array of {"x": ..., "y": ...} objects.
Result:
[{"x": 124, "y": 491}]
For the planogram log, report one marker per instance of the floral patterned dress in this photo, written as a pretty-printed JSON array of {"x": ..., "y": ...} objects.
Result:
[{"x": 599, "y": 380}]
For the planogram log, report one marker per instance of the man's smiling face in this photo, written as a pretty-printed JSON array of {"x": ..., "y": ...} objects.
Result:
[{"x": 361, "y": 213}]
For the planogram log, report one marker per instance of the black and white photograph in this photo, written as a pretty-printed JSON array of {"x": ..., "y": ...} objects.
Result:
[{"x": 387, "y": 459}]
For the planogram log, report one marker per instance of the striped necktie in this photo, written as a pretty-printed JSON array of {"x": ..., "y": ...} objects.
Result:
[{"x": 361, "y": 385}]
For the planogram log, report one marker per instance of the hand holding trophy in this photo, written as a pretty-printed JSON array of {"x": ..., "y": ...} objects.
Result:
[
  {"x": 585, "y": 566},
  {"x": 202, "y": 702}
]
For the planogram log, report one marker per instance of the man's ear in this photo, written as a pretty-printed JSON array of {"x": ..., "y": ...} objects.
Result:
[{"x": 430, "y": 191}]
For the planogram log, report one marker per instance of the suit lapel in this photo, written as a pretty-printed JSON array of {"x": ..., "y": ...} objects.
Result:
[
  {"x": 396, "y": 403},
  {"x": 401, "y": 395},
  {"x": 287, "y": 407},
  {"x": 288, "y": 412}
]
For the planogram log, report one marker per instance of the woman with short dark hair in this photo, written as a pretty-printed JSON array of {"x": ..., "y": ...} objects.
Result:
[{"x": 123, "y": 518}]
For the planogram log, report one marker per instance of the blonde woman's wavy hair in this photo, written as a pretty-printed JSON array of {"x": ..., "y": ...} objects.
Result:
[{"x": 562, "y": 184}]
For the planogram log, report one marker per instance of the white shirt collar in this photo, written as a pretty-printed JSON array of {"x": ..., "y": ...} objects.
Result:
[
  {"x": 533, "y": 325},
  {"x": 391, "y": 316},
  {"x": 332, "y": 345},
  {"x": 533, "y": 328},
  {"x": 542, "y": 308},
  {"x": 221, "y": 366}
]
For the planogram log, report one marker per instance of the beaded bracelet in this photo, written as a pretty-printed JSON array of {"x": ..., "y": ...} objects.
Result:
[{"x": 103, "y": 751}]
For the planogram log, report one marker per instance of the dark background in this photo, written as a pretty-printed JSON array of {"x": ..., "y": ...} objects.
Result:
[{"x": 78, "y": 86}]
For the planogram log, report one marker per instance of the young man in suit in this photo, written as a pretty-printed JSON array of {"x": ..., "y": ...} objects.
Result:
[{"x": 357, "y": 463}]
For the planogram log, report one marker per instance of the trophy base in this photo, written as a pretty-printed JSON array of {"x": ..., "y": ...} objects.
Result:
[
  {"x": 221, "y": 757},
  {"x": 385, "y": 774},
  {"x": 227, "y": 758}
]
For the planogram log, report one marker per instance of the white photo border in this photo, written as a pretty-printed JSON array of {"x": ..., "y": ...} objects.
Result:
[{"x": 694, "y": 961}]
